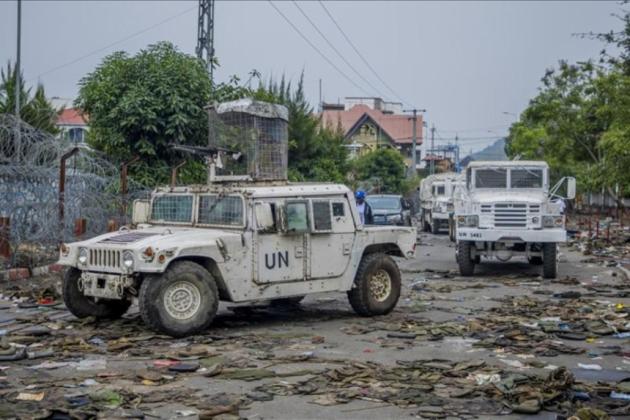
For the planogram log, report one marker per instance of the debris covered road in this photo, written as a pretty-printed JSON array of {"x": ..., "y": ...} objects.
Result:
[{"x": 505, "y": 342}]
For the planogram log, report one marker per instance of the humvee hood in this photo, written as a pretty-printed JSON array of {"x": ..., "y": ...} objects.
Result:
[
  {"x": 161, "y": 237},
  {"x": 534, "y": 197}
]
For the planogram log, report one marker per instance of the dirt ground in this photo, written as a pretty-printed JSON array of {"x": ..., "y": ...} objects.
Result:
[{"x": 490, "y": 345}]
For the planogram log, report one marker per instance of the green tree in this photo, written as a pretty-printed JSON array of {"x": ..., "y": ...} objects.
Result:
[
  {"x": 382, "y": 170},
  {"x": 580, "y": 120},
  {"x": 35, "y": 110},
  {"x": 141, "y": 105},
  {"x": 316, "y": 153}
]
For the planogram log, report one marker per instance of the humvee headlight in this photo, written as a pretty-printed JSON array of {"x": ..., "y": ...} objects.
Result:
[
  {"x": 468, "y": 221},
  {"x": 552, "y": 221},
  {"x": 128, "y": 259},
  {"x": 83, "y": 256},
  {"x": 535, "y": 220}
]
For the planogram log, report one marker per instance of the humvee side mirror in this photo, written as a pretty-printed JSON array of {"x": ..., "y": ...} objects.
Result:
[
  {"x": 264, "y": 217},
  {"x": 570, "y": 188},
  {"x": 140, "y": 211}
]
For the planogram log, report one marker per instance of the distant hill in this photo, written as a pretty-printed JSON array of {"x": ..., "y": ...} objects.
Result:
[{"x": 496, "y": 151}]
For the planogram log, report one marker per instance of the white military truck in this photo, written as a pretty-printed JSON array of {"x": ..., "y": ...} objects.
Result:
[
  {"x": 236, "y": 239},
  {"x": 436, "y": 200},
  {"x": 507, "y": 209}
]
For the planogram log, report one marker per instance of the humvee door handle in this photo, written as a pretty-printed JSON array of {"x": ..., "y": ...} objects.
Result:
[
  {"x": 299, "y": 252},
  {"x": 346, "y": 249}
]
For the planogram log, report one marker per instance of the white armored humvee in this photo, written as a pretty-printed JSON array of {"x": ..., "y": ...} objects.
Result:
[
  {"x": 235, "y": 241},
  {"x": 507, "y": 209}
]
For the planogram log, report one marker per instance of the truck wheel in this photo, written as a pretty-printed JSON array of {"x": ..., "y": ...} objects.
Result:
[
  {"x": 376, "y": 287},
  {"x": 435, "y": 226},
  {"x": 290, "y": 301},
  {"x": 464, "y": 258},
  {"x": 180, "y": 302},
  {"x": 535, "y": 260},
  {"x": 550, "y": 260},
  {"x": 83, "y": 306}
]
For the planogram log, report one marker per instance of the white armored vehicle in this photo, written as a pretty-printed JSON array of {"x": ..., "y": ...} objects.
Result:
[
  {"x": 507, "y": 209},
  {"x": 436, "y": 200},
  {"x": 240, "y": 238}
]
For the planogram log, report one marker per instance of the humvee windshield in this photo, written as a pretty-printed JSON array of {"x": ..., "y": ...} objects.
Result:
[
  {"x": 212, "y": 209},
  {"x": 172, "y": 208}
]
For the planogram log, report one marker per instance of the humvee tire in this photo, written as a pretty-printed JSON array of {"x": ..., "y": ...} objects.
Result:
[
  {"x": 376, "y": 287},
  {"x": 290, "y": 301},
  {"x": 83, "y": 306},
  {"x": 435, "y": 226},
  {"x": 535, "y": 260},
  {"x": 550, "y": 260},
  {"x": 464, "y": 258},
  {"x": 181, "y": 301}
]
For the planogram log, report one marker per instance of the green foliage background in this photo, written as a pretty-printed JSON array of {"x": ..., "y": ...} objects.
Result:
[{"x": 580, "y": 120}]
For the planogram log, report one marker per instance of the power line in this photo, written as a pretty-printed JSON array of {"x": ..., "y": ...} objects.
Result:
[
  {"x": 356, "y": 50},
  {"x": 331, "y": 45},
  {"x": 308, "y": 41},
  {"x": 133, "y": 35},
  {"x": 465, "y": 130}
]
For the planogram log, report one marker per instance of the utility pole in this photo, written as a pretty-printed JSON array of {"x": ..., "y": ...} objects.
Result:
[
  {"x": 432, "y": 161},
  {"x": 18, "y": 82},
  {"x": 321, "y": 104},
  {"x": 456, "y": 153},
  {"x": 414, "y": 139},
  {"x": 205, "y": 35}
]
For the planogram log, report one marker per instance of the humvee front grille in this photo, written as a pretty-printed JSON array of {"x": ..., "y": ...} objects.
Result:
[{"x": 105, "y": 258}]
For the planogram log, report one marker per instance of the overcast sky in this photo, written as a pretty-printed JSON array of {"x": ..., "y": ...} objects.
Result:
[{"x": 465, "y": 62}]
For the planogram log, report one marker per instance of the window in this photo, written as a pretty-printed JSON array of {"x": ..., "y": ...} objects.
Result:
[
  {"x": 439, "y": 190},
  {"x": 297, "y": 217},
  {"x": 491, "y": 178},
  {"x": 384, "y": 203},
  {"x": 526, "y": 178},
  {"x": 216, "y": 210},
  {"x": 322, "y": 218},
  {"x": 338, "y": 210},
  {"x": 172, "y": 208}
]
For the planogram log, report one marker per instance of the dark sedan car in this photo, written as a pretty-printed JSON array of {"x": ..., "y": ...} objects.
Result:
[{"x": 389, "y": 209}]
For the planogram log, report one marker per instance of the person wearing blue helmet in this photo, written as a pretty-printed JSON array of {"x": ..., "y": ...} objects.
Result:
[{"x": 365, "y": 211}]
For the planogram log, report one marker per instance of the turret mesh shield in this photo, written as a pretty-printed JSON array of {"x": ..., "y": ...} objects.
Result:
[{"x": 258, "y": 130}]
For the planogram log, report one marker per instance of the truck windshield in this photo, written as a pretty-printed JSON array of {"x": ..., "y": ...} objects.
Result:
[
  {"x": 226, "y": 210},
  {"x": 439, "y": 190},
  {"x": 491, "y": 178},
  {"x": 172, "y": 208},
  {"x": 526, "y": 178},
  {"x": 386, "y": 203}
]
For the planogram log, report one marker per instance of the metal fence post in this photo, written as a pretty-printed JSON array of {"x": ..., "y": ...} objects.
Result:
[{"x": 62, "y": 187}]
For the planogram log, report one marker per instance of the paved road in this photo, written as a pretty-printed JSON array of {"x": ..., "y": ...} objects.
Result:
[{"x": 323, "y": 330}]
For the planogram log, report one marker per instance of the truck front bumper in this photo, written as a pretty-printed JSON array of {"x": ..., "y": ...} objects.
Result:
[{"x": 511, "y": 235}]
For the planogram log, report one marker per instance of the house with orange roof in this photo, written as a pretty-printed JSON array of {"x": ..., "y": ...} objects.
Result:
[
  {"x": 72, "y": 125},
  {"x": 371, "y": 123}
]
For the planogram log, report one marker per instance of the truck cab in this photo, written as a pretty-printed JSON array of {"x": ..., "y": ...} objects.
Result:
[
  {"x": 436, "y": 200},
  {"x": 508, "y": 209}
]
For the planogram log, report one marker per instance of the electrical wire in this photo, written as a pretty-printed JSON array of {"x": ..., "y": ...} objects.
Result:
[
  {"x": 331, "y": 45},
  {"x": 366, "y": 62},
  {"x": 308, "y": 41},
  {"x": 120, "y": 41}
]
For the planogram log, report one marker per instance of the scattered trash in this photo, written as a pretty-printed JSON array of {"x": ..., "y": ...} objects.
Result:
[
  {"x": 589, "y": 367},
  {"x": 619, "y": 396},
  {"x": 24, "y": 396}
]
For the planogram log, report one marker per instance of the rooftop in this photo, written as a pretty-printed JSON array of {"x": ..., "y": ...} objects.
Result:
[{"x": 71, "y": 116}]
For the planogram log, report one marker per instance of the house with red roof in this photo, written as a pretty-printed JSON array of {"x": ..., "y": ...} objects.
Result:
[
  {"x": 72, "y": 125},
  {"x": 371, "y": 123}
]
